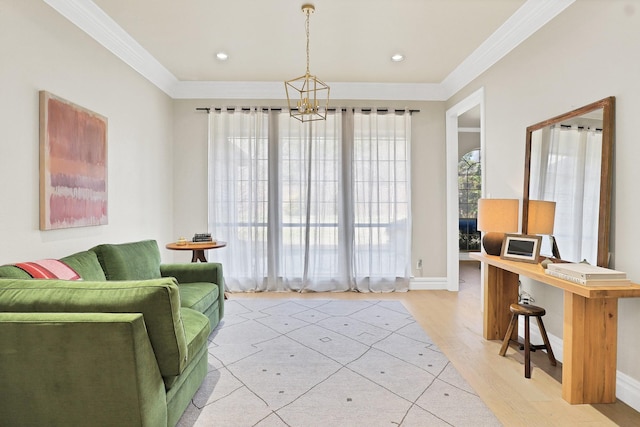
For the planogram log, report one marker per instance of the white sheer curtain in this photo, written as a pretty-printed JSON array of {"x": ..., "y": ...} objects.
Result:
[
  {"x": 381, "y": 200},
  {"x": 238, "y": 194},
  {"x": 312, "y": 238},
  {"x": 319, "y": 206},
  {"x": 568, "y": 164}
]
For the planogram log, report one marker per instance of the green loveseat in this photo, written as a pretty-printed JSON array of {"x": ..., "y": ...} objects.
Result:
[{"x": 124, "y": 346}]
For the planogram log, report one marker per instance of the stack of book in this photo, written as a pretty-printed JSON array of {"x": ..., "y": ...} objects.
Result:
[
  {"x": 202, "y": 237},
  {"x": 589, "y": 275}
]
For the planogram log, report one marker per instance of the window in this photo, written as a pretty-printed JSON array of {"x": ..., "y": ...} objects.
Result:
[
  {"x": 311, "y": 206},
  {"x": 469, "y": 192}
]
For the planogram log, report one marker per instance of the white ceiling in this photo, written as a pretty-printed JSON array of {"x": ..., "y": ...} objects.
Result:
[
  {"x": 446, "y": 42},
  {"x": 351, "y": 40}
]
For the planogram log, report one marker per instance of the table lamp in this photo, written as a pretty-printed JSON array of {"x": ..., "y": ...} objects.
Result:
[
  {"x": 540, "y": 220},
  {"x": 496, "y": 217}
]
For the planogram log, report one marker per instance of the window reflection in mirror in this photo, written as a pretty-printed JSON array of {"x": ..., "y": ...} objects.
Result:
[
  {"x": 569, "y": 162},
  {"x": 565, "y": 168}
]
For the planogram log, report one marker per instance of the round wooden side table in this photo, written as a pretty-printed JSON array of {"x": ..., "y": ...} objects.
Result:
[{"x": 198, "y": 248}]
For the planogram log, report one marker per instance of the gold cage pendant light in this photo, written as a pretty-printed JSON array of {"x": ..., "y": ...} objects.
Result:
[{"x": 307, "y": 96}]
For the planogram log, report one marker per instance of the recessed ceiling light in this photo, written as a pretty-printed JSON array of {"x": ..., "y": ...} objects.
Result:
[
  {"x": 397, "y": 57},
  {"x": 222, "y": 56}
]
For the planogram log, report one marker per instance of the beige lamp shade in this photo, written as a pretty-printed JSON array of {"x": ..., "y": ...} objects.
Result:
[
  {"x": 541, "y": 217},
  {"x": 498, "y": 215}
]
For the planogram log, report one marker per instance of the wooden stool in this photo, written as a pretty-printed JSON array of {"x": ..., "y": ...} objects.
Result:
[{"x": 527, "y": 311}]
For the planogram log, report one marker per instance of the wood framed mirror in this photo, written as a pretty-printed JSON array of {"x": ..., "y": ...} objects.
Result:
[{"x": 569, "y": 160}]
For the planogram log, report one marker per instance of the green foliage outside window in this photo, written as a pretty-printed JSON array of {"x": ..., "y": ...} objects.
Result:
[{"x": 469, "y": 192}]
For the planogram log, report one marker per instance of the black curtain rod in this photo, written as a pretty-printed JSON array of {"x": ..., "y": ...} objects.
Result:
[
  {"x": 367, "y": 110},
  {"x": 580, "y": 127}
]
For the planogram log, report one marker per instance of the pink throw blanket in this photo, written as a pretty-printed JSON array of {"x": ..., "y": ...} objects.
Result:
[{"x": 49, "y": 269}]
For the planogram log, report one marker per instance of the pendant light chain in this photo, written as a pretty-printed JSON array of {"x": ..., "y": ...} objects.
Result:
[
  {"x": 307, "y": 96},
  {"x": 307, "y": 30}
]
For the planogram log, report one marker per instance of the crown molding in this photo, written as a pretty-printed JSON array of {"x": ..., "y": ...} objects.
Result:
[
  {"x": 532, "y": 15},
  {"x": 339, "y": 90},
  {"x": 228, "y": 90},
  {"x": 87, "y": 16},
  {"x": 388, "y": 91}
]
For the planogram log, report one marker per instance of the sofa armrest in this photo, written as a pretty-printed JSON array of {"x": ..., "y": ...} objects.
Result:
[
  {"x": 79, "y": 368},
  {"x": 158, "y": 300},
  {"x": 209, "y": 272},
  {"x": 195, "y": 272}
]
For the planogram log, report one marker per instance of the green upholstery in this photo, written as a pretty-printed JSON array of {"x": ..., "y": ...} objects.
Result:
[
  {"x": 210, "y": 272},
  {"x": 213, "y": 313},
  {"x": 14, "y": 272},
  {"x": 51, "y": 376},
  {"x": 158, "y": 300},
  {"x": 86, "y": 264},
  {"x": 197, "y": 329},
  {"x": 180, "y": 395},
  {"x": 130, "y": 261},
  {"x": 198, "y": 296},
  {"x": 126, "y": 345},
  {"x": 194, "y": 272}
]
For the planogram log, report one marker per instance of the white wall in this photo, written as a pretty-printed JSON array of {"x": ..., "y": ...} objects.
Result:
[
  {"x": 41, "y": 50},
  {"x": 467, "y": 141},
  {"x": 587, "y": 53},
  {"x": 428, "y": 173}
]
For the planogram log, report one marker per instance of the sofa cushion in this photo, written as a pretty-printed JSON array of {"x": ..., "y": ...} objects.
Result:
[
  {"x": 198, "y": 296},
  {"x": 13, "y": 272},
  {"x": 130, "y": 261},
  {"x": 201, "y": 272},
  {"x": 197, "y": 329},
  {"x": 158, "y": 300},
  {"x": 86, "y": 264}
]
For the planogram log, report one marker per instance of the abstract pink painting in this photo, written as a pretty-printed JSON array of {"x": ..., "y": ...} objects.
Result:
[{"x": 73, "y": 165}]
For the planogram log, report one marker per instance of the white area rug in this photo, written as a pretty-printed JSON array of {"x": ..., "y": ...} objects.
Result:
[{"x": 305, "y": 363}]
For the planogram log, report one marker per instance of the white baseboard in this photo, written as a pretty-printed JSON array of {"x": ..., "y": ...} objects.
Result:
[
  {"x": 428, "y": 284},
  {"x": 627, "y": 388},
  {"x": 464, "y": 256}
]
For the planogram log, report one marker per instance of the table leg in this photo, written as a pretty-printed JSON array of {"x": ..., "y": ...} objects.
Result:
[
  {"x": 198, "y": 255},
  {"x": 589, "y": 349},
  {"x": 500, "y": 291}
]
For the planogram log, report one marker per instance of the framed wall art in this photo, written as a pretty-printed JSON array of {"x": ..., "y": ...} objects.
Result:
[
  {"x": 73, "y": 165},
  {"x": 521, "y": 247}
]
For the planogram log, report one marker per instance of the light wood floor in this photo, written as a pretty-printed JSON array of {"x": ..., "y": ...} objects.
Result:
[{"x": 453, "y": 320}]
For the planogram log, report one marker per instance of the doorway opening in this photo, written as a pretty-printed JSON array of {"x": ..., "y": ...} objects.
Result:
[{"x": 466, "y": 117}]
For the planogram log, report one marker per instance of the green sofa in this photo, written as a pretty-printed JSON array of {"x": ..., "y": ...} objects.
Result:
[{"x": 124, "y": 346}]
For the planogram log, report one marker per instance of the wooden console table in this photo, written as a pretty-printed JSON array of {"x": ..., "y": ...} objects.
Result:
[
  {"x": 590, "y": 325},
  {"x": 198, "y": 248}
]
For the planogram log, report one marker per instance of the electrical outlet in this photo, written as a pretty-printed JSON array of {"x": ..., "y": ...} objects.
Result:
[
  {"x": 419, "y": 264},
  {"x": 526, "y": 298}
]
